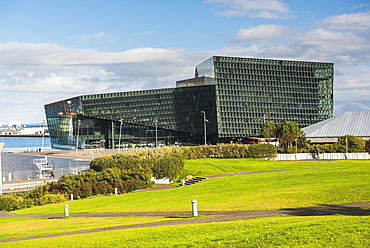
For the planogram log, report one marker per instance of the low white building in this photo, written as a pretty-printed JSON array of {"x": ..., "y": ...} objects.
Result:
[
  {"x": 350, "y": 123},
  {"x": 14, "y": 123},
  {"x": 33, "y": 129}
]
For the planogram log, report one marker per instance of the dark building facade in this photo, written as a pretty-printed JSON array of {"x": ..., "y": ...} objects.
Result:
[{"x": 229, "y": 99}]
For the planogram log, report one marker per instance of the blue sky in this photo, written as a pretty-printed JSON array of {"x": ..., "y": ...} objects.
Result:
[{"x": 52, "y": 50}]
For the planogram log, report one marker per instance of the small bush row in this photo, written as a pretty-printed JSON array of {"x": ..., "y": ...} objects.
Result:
[
  {"x": 158, "y": 166},
  {"x": 168, "y": 162},
  {"x": 81, "y": 186},
  {"x": 37, "y": 197},
  {"x": 93, "y": 183},
  {"x": 204, "y": 151},
  {"x": 347, "y": 143}
]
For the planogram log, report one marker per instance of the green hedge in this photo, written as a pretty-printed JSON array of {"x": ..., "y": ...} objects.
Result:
[
  {"x": 156, "y": 165},
  {"x": 37, "y": 197},
  {"x": 104, "y": 182},
  {"x": 169, "y": 166},
  {"x": 167, "y": 162},
  {"x": 262, "y": 151},
  {"x": 188, "y": 152}
]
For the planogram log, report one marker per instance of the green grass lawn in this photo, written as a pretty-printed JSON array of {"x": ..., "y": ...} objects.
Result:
[
  {"x": 207, "y": 166},
  {"x": 314, "y": 183},
  {"x": 9, "y": 227},
  {"x": 323, "y": 231},
  {"x": 319, "y": 182}
]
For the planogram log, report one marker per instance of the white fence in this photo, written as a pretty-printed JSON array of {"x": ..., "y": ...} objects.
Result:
[
  {"x": 22, "y": 167},
  {"x": 330, "y": 156}
]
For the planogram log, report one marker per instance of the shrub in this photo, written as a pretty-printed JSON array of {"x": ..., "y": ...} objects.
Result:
[
  {"x": 234, "y": 151},
  {"x": 102, "y": 163},
  {"x": 17, "y": 201},
  {"x": 10, "y": 202},
  {"x": 102, "y": 188},
  {"x": 83, "y": 191},
  {"x": 353, "y": 143},
  {"x": 169, "y": 166},
  {"x": 51, "y": 198},
  {"x": 262, "y": 151}
]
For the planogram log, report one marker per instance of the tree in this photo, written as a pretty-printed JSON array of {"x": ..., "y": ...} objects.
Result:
[
  {"x": 287, "y": 132},
  {"x": 268, "y": 130},
  {"x": 353, "y": 143}
]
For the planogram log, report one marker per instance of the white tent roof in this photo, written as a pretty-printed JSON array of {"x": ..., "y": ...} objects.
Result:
[{"x": 350, "y": 123}]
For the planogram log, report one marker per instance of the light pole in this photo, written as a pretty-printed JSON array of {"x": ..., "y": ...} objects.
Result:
[
  {"x": 156, "y": 131},
  {"x": 1, "y": 175},
  {"x": 78, "y": 133},
  {"x": 120, "y": 132},
  {"x": 43, "y": 135},
  {"x": 156, "y": 124},
  {"x": 296, "y": 148},
  {"x": 205, "y": 126},
  {"x": 346, "y": 148}
]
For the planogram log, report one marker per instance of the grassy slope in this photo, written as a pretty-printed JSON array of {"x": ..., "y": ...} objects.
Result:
[{"x": 320, "y": 182}]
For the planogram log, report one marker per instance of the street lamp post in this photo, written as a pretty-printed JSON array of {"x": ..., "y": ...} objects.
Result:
[
  {"x": 296, "y": 149},
  {"x": 78, "y": 133},
  {"x": 120, "y": 133},
  {"x": 346, "y": 148},
  {"x": 205, "y": 126},
  {"x": 43, "y": 135},
  {"x": 156, "y": 132},
  {"x": 1, "y": 175}
]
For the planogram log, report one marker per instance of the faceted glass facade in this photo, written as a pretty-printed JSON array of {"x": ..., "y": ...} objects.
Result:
[
  {"x": 237, "y": 95},
  {"x": 168, "y": 116},
  {"x": 252, "y": 91}
]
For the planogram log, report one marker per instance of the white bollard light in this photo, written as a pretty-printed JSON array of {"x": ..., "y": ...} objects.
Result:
[
  {"x": 194, "y": 205},
  {"x": 115, "y": 191},
  {"x": 66, "y": 212},
  {"x": 71, "y": 197}
]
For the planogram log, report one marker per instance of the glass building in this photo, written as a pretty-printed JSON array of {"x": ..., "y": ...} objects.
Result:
[{"x": 229, "y": 99}]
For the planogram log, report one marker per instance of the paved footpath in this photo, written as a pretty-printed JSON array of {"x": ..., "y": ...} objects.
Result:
[{"x": 181, "y": 218}]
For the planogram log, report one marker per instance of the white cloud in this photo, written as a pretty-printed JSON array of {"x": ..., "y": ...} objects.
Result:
[
  {"x": 146, "y": 33},
  {"x": 360, "y": 5},
  {"x": 334, "y": 41},
  {"x": 272, "y": 9},
  {"x": 339, "y": 39},
  {"x": 354, "y": 21},
  {"x": 98, "y": 36},
  {"x": 262, "y": 33},
  {"x": 323, "y": 43},
  {"x": 32, "y": 75}
]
